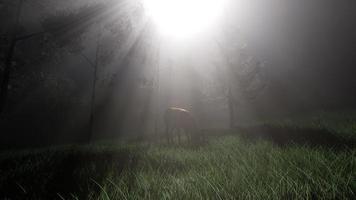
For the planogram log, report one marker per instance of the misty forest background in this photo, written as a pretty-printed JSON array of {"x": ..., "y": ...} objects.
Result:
[{"x": 271, "y": 60}]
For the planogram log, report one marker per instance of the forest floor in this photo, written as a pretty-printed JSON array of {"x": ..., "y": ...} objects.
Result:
[{"x": 294, "y": 159}]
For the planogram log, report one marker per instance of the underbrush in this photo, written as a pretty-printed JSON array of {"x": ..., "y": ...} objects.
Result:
[{"x": 343, "y": 124}]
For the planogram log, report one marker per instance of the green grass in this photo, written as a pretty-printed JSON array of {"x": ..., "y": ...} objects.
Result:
[
  {"x": 341, "y": 123},
  {"x": 226, "y": 168},
  {"x": 229, "y": 168}
]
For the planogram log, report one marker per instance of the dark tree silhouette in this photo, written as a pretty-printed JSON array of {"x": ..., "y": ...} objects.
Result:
[{"x": 245, "y": 75}]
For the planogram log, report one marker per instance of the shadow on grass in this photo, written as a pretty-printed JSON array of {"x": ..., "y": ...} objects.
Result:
[
  {"x": 60, "y": 174},
  {"x": 284, "y": 136}
]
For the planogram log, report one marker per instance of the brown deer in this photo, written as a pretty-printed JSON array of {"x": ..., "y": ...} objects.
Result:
[{"x": 179, "y": 121}]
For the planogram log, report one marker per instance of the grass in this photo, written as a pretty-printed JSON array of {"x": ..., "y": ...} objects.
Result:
[
  {"x": 341, "y": 123},
  {"x": 227, "y": 167}
]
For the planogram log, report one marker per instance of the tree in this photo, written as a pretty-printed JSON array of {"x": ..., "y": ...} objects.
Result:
[
  {"x": 105, "y": 29},
  {"x": 94, "y": 65},
  {"x": 244, "y": 73},
  {"x": 57, "y": 27},
  {"x": 8, "y": 58}
]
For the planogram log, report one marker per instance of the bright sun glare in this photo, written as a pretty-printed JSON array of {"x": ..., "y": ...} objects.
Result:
[{"x": 183, "y": 18}]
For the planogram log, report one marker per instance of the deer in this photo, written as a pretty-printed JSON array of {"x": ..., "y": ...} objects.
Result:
[{"x": 179, "y": 121}]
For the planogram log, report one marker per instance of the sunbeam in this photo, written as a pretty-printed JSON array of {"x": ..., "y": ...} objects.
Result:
[{"x": 138, "y": 99}]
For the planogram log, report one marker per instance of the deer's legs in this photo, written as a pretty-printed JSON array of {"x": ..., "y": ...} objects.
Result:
[
  {"x": 178, "y": 134},
  {"x": 168, "y": 134},
  {"x": 189, "y": 135}
]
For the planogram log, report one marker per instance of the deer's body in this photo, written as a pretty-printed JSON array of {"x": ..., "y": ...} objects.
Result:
[{"x": 179, "y": 121}]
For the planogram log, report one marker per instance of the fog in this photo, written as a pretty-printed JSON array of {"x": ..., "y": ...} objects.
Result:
[{"x": 259, "y": 60}]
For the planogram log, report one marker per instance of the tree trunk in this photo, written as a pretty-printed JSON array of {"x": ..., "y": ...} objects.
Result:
[
  {"x": 92, "y": 107},
  {"x": 6, "y": 76},
  {"x": 8, "y": 60},
  {"x": 231, "y": 109},
  {"x": 93, "y": 96}
]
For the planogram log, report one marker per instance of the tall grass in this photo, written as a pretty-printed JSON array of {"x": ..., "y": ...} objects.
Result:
[{"x": 228, "y": 167}]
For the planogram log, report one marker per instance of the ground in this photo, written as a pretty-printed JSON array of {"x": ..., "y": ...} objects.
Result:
[{"x": 248, "y": 163}]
